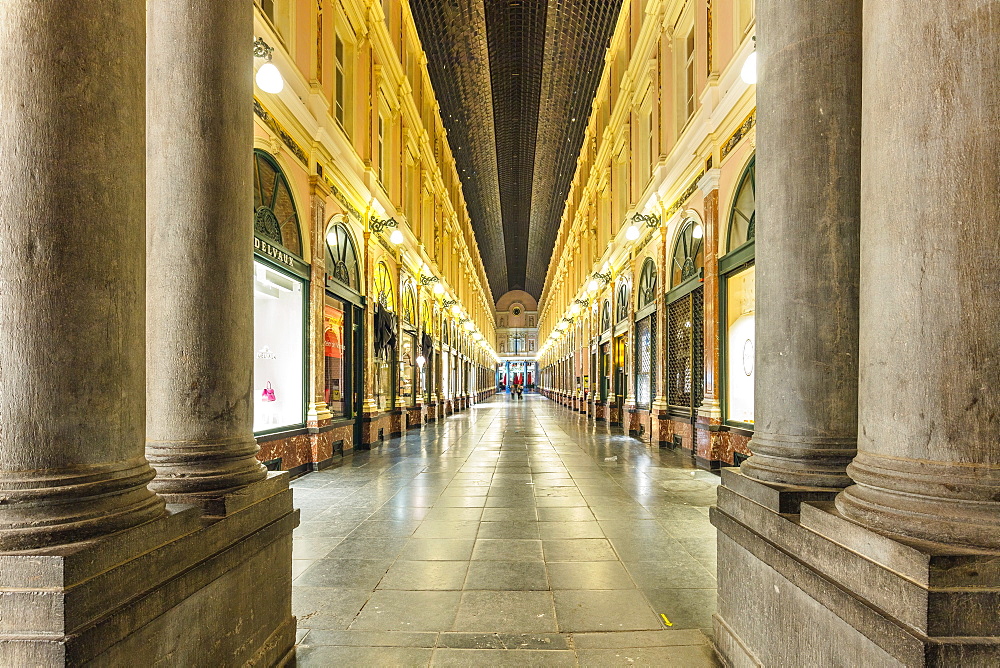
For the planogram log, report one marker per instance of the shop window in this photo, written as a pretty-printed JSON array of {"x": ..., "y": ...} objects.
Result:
[
  {"x": 279, "y": 309},
  {"x": 275, "y": 217},
  {"x": 740, "y": 345},
  {"x": 337, "y": 354},
  {"x": 342, "y": 258},
  {"x": 384, "y": 336},
  {"x": 645, "y": 360},
  {"x": 738, "y": 294}
]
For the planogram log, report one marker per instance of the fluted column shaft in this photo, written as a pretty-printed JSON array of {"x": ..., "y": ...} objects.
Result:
[
  {"x": 928, "y": 463},
  {"x": 199, "y": 242},
  {"x": 72, "y": 414},
  {"x": 808, "y": 196}
]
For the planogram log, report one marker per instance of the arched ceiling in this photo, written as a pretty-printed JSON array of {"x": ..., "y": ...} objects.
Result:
[{"x": 515, "y": 80}]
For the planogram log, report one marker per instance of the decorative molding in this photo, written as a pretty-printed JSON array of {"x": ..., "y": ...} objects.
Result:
[
  {"x": 342, "y": 198},
  {"x": 279, "y": 130},
  {"x": 685, "y": 196},
  {"x": 742, "y": 131}
]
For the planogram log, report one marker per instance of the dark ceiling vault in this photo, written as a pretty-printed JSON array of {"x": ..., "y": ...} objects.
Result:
[{"x": 515, "y": 80}]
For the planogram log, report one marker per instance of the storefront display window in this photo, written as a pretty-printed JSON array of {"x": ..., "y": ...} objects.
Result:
[
  {"x": 279, "y": 311},
  {"x": 737, "y": 269},
  {"x": 408, "y": 368},
  {"x": 336, "y": 356},
  {"x": 385, "y": 337},
  {"x": 740, "y": 344},
  {"x": 644, "y": 361}
]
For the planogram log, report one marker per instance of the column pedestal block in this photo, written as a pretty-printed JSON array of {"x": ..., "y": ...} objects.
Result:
[
  {"x": 853, "y": 596},
  {"x": 201, "y": 591}
]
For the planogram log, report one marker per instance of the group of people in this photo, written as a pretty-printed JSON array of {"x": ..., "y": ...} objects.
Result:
[{"x": 516, "y": 389}]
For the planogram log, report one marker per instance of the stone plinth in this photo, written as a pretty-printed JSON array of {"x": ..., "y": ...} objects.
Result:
[
  {"x": 184, "y": 589},
  {"x": 852, "y": 595}
]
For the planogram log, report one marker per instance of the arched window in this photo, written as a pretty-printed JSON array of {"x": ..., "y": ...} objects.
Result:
[
  {"x": 647, "y": 284},
  {"x": 688, "y": 258},
  {"x": 384, "y": 294},
  {"x": 621, "y": 303},
  {"x": 341, "y": 257},
  {"x": 743, "y": 217},
  {"x": 606, "y": 316},
  {"x": 275, "y": 217},
  {"x": 409, "y": 306}
]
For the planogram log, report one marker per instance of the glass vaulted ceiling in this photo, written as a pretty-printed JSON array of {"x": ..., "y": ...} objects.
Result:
[{"x": 515, "y": 80}]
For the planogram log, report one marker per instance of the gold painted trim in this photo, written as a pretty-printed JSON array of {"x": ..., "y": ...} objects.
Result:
[{"x": 742, "y": 131}]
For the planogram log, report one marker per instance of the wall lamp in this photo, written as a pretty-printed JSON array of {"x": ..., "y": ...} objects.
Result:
[
  {"x": 603, "y": 278},
  {"x": 649, "y": 220},
  {"x": 268, "y": 77},
  {"x": 378, "y": 225}
]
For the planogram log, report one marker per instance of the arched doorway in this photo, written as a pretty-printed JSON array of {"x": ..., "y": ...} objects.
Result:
[
  {"x": 686, "y": 324},
  {"x": 343, "y": 317},
  {"x": 645, "y": 336}
]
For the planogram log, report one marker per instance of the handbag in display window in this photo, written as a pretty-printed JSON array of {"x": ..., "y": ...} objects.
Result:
[{"x": 268, "y": 393}]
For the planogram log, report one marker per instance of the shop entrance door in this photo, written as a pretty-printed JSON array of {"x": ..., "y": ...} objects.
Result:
[{"x": 621, "y": 353}]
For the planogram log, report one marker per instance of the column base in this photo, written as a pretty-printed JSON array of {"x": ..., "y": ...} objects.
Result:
[
  {"x": 854, "y": 596},
  {"x": 183, "y": 589}
]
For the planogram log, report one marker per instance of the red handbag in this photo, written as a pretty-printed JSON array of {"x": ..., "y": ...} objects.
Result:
[{"x": 268, "y": 393}]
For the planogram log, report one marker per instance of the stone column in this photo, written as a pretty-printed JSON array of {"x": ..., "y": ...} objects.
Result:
[
  {"x": 72, "y": 413},
  {"x": 808, "y": 197},
  {"x": 928, "y": 463},
  {"x": 199, "y": 243}
]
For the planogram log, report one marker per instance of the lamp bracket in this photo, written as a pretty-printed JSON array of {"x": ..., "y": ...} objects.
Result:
[
  {"x": 262, "y": 49},
  {"x": 379, "y": 225},
  {"x": 650, "y": 220}
]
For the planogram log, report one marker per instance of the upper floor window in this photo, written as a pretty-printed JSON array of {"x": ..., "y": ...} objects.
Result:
[
  {"x": 341, "y": 80},
  {"x": 381, "y": 149},
  {"x": 744, "y": 17},
  {"x": 690, "y": 78},
  {"x": 278, "y": 13}
]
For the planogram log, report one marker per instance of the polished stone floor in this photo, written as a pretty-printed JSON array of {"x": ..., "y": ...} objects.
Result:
[{"x": 513, "y": 533}]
